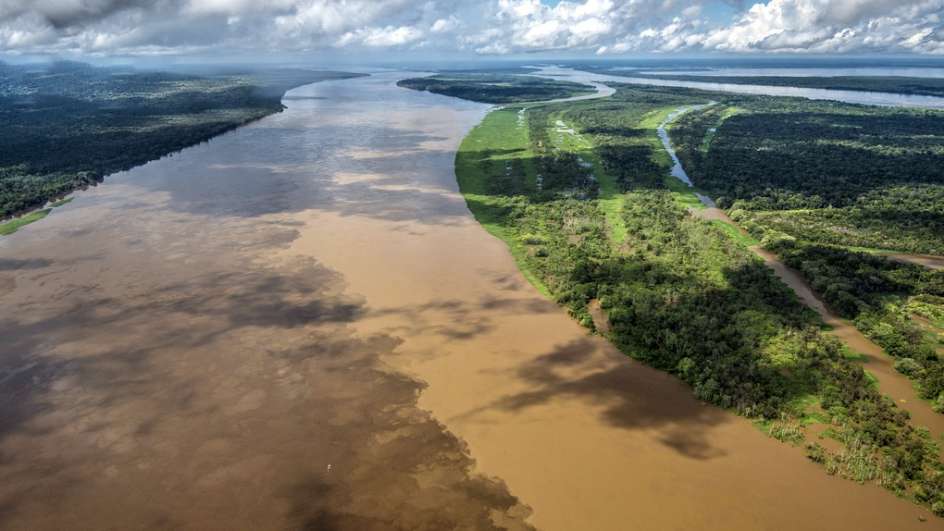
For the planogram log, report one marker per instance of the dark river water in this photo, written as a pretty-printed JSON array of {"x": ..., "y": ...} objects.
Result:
[{"x": 298, "y": 325}]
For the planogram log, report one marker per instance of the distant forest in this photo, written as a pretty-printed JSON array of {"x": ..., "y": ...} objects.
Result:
[
  {"x": 496, "y": 87},
  {"x": 833, "y": 173},
  {"x": 67, "y": 125},
  {"x": 917, "y": 86}
]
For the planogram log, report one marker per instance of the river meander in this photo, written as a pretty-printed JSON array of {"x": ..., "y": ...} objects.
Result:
[{"x": 299, "y": 325}]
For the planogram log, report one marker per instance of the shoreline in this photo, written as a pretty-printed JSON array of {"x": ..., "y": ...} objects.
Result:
[
  {"x": 473, "y": 199},
  {"x": 621, "y": 364},
  {"x": 263, "y": 111},
  {"x": 580, "y": 433},
  {"x": 891, "y": 382}
]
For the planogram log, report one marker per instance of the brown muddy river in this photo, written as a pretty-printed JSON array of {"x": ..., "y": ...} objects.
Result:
[{"x": 298, "y": 325}]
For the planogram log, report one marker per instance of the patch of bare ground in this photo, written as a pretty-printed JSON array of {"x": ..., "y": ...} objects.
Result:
[
  {"x": 600, "y": 320},
  {"x": 925, "y": 260}
]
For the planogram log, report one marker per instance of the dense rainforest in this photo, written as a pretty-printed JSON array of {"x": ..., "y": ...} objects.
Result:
[
  {"x": 580, "y": 193},
  {"x": 496, "y": 87},
  {"x": 832, "y": 173},
  {"x": 67, "y": 125},
  {"x": 822, "y": 183},
  {"x": 775, "y": 153}
]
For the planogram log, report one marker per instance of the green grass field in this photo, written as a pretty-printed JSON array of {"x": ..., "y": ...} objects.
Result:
[
  {"x": 735, "y": 234},
  {"x": 16, "y": 224},
  {"x": 610, "y": 199},
  {"x": 486, "y": 153}
]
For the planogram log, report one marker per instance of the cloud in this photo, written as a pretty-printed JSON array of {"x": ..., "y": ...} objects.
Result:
[
  {"x": 443, "y": 25},
  {"x": 832, "y": 26},
  {"x": 385, "y": 37},
  {"x": 470, "y": 26},
  {"x": 66, "y": 13}
]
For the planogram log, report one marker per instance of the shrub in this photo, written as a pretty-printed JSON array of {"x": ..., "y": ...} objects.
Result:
[{"x": 908, "y": 367}]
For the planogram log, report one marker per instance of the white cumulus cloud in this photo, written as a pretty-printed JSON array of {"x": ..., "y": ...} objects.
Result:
[{"x": 471, "y": 26}]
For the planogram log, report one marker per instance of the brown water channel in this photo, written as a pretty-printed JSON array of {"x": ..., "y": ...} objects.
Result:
[
  {"x": 298, "y": 325},
  {"x": 926, "y": 260},
  {"x": 891, "y": 382}
]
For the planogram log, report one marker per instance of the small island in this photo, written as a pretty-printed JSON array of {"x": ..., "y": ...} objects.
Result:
[{"x": 500, "y": 88}]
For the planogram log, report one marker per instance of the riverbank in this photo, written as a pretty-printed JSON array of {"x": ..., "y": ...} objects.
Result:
[
  {"x": 300, "y": 324},
  {"x": 924, "y": 260},
  {"x": 891, "y": 382},
  {"x": 15, "y": 224},
  {"x": 125, "y": 118},
  {"x": 542, "y": 230},
  {"x": 586, "y": 437}
]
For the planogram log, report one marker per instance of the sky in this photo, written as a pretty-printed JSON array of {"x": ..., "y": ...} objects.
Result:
[{"x": 468, "y": 28}]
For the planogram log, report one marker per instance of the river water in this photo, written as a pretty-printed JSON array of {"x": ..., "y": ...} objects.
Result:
[
  {"x": 886, "y": 99},
  {"x": 865, "y": 71},
  {"x": 299, "y": 325},
  {"x": 677, "y": 170}
]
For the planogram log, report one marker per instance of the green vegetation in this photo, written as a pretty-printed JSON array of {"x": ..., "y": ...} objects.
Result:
[
  {"x": 60, "y": 202},
  {"x": 67, "y": 125},
  {"x": 9, "y": 227},
  {"x": 818, "y": 182},
  {"x": 681, "y": 294},
  {"x": 824, "y": 172},
  {"x": 496, "y": 87},
  {"x": 788, "y": 153},
  {"x": 13, "y": 225},
  {"x": 906, "y": 218},
  {"x": 736, "y": 234},
  {"x": 897, "y": 305},
  {"x": 502, "y": 149}
]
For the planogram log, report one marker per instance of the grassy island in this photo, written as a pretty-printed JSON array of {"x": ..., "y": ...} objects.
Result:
[{"x": 580, "y": 193}]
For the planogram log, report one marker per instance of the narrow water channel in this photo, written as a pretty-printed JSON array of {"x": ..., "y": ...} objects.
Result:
[
  {"x": 886, "y": 99},
  {"x": 891, "y": 382},
  {"x": 677, "y": 170}
]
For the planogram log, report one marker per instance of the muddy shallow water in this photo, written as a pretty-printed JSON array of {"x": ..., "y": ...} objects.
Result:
[{"x": 299, "y": 325}]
